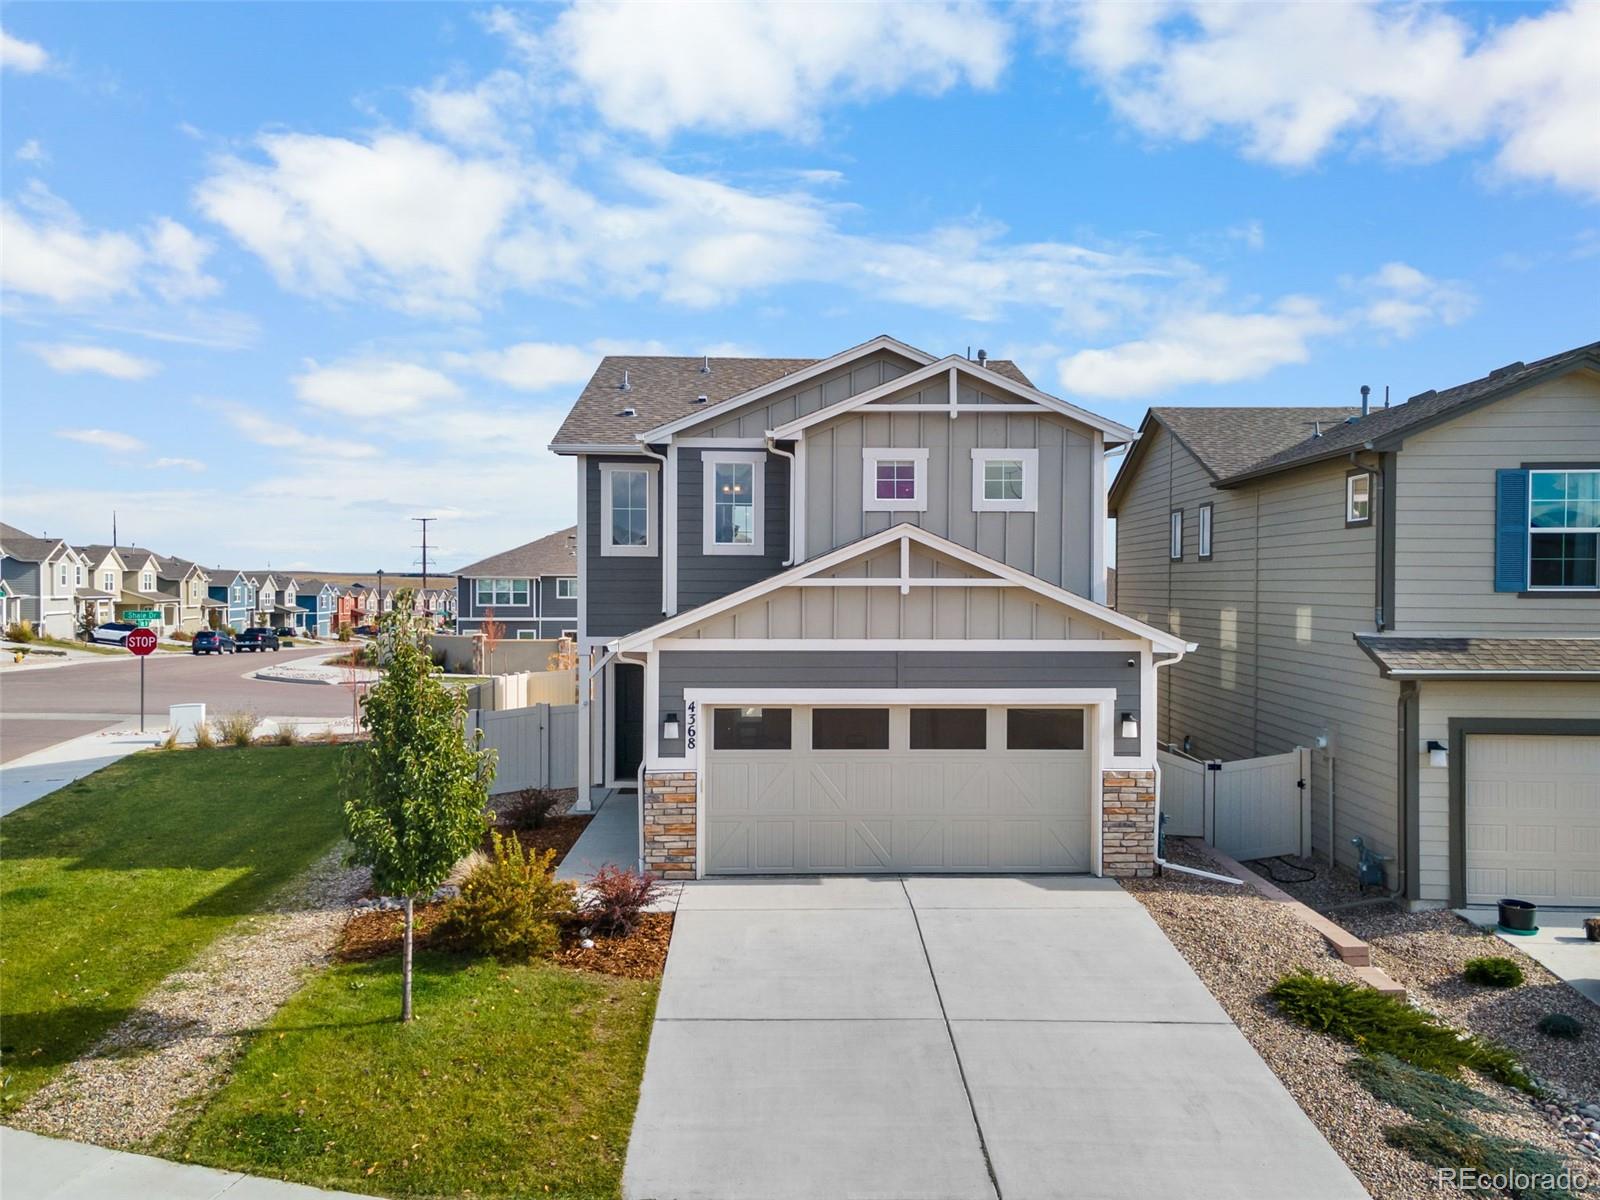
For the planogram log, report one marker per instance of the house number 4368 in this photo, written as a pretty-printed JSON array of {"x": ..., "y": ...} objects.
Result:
[{"x": 691, "y": 725}]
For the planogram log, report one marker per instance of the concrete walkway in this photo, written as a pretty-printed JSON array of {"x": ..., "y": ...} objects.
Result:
[
  {"x": 1027, "y": 1038},
  {"x": 1560, "y": 946},
  {"x": 42, "y": 772},
  {"x": 611, "y": 838},
  {"x": 40, "y": 1168}
]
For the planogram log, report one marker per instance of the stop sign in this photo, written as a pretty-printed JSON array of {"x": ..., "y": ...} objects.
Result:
[{"x": 142, "y": 641}]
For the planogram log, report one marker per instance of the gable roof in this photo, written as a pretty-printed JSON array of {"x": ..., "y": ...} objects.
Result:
[
  {"x": 554, "y": 554},
  {"x": 912, "y": 533},
  {"x": 664, "y": 389},
  {"x": 24, "y": 547}
]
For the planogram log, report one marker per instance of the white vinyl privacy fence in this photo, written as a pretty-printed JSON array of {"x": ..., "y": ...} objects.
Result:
[
  {"x": 537, "y": 746},
  {"x": 1249, "y": 808}
]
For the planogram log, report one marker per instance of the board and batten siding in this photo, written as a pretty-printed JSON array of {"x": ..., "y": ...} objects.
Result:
[
  {"x": 981, "y": 672},
  {"x": 840, "y": 384},
  {"x": 1444, "y": 543},
  {"x": 705, "y": 577},
  {"x": 1439, "y": 701},
  {"x": 620, "y": 594},
  {"x": 1053, "y": 543}
]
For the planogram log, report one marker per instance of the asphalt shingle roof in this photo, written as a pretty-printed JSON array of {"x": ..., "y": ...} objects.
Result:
[
  {"x": 554, "y": 554},
  {"x": 1405, "y": 656},
  {"x": 663, "y": 388},
  {"x": 1229, "y": 440},
  {"x": 24, "y": 546}
]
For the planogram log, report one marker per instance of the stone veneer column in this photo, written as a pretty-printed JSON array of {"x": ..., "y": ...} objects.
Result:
[
  {"x": 1128, "y": 823},
  {"x": 669, "y": 824}
]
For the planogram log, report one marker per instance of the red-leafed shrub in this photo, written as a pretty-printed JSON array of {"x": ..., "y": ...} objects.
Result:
[{"x": 614, "y": 898}]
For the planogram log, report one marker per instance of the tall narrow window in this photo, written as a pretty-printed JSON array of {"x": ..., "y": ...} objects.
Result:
[
  {"x": 1175, "y": 535},
  {"x": 627, "y": 510},
  {"x": 1205, "y": 532},
  {"x": 1358, "y": 498},
  {"x": 734, "y": 503},
  {"x": 1564, "y": 529}
]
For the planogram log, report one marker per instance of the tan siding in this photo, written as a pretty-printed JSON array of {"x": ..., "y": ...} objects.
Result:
[{"x": 1444, "y": 560}]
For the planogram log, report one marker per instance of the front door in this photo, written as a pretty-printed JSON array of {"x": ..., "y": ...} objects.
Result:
[{"x": 627, "y": 722}]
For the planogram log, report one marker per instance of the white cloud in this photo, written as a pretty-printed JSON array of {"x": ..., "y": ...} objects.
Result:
[
  {"x": 474, "y": 116},
  {"x": 185, "y": 464},
  {"x": 71, "y": 358},
  {"x": 106, "y": 439},
  {"x": 18, "y": 55},
  {"x": 374, "y": 388},
  {"x": 1295, "y": 81},
  {"x": 177, "y": 256},
  {"x": 755, "y": 65},
  {"x": 1402, "y": 300},
  {"x": 533, "y": 366},
  {"x": 31, "y": 151},
  {"x": 268, "y": 431}
]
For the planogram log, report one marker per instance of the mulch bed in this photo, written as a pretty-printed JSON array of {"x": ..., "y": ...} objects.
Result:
[
  {"x": 642, "y": 956},
  {"x": 558, "y": 834},
  {"x": 377, "y": 932}
]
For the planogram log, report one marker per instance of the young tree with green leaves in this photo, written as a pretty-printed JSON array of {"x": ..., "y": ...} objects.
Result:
[{"x": 415, "y": 794}]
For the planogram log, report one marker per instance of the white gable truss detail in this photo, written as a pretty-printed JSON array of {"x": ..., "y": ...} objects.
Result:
[
  {"x": 809, "y": 574},
  {"x": 664, "y": 433},
  {"x": 955, "y": 365}
]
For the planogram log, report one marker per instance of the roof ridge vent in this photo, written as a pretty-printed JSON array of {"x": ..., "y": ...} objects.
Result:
[
  {"x": 625, "y": 385},
  {"x": 1506, "y": 370},
  {"x": 705, "y": 365}
]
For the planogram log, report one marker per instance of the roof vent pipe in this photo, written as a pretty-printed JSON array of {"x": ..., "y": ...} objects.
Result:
[
  {"x": 983, "y": 357},
  {"x": 705, "y": 365},
  {"x": 628, "y": 412},
  {"x": 1386, "y": 395},
  {"x": 625, "y": 385},
  {"x": 1366, "y": 392},
  {"x": 1316, "y": 429}
]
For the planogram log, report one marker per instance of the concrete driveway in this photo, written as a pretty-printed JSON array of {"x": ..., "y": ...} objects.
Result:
[{"x": 1011, "y": 1038}]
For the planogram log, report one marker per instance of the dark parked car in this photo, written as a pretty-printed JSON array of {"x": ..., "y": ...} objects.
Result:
[
  {"x": 213, "y": 641},
  {"x": 258, "y": 637},
  {"x": 367, "y": 630}
]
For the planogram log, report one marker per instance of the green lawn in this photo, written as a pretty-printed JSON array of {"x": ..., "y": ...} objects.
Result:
[
  {"x": 114, "y": 882},
  {"x": 64, "y": 644},
  {"x": 513, "y": 1081}
]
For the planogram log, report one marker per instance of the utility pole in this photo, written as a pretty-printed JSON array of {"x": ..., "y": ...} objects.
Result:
[{"x": 424, "y": 522}]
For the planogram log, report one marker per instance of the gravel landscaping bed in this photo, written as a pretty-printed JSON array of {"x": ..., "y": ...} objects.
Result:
[
  {"x": 1240, "y": 944},
  {"x": 131, "y": 1086}
]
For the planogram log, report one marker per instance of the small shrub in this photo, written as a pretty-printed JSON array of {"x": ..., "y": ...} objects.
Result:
[
  {"x": 1492, "y": 970},
  {"x": 20, "y": 631},
  {"x": 511, "y": 907},
  {"x": 203, "y": 737},
  {"x": 1425, "y": 1095},
  {"x": 614, "y": 899},
  {"x": 170, "y": 742},
  {"x": 1468, "y": 1147},
  {"x": 344, "y": 632},
  {"x": 179, "y": 635},
  {"x": 1561, "y": 1025},
  {"x": 236, "y": 728},
  {"x": 529, "y": 808},
  {"x": 1376, "y": 1023},
  {"x": 286, "y": 734}
]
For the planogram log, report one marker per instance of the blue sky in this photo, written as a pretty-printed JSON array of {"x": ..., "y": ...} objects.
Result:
[{"x": 278, "y": 277}]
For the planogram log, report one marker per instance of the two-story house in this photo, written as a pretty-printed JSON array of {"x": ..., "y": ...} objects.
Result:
[
  {"x": 847, "y": 615},
  {"x": 188, "y": 584},
  {"x": 1410, "y": 591},
  {"x": 532, "y": 590},
  {"x": 42, "y": 575},
  {"x": 141, "y": 588},
  {"x": 234, "y": 594},
  {"x": 103, "y": 573},
  {"x": 316, "y": 599}
]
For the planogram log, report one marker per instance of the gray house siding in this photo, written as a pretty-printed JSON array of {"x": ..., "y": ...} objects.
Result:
[
  {"x": 841, "y": 384},
  {"x": 1444, "y": 548},
  {"x": 703, "y": 577},
  {"x": 621, "y": 594},
  {"x": 550, "y": 605},
  {"x": 545, "y": 615},
  {"x": 955, "y": 670},
  {"x": 23, "y": 579}
]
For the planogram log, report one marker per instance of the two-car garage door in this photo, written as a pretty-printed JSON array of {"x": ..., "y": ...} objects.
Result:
[
  {"x": 896, "y": 788},
  {"x": 1533, "y": 819}
]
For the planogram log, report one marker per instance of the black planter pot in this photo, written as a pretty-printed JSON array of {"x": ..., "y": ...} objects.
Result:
[{"x": 1518, "y": 916}]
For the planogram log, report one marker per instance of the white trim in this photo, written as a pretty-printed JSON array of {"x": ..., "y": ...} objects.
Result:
[
  {"x": 757, "y": 461},
  {"x": 511, "y": 580},
  {"x": 797, "y": 498},
  {"x": 784, "y": 382},
  {"x": 904, "y": 581},
  {"x": 982, "y": 456},
  {"x": 1161, "y": 640},
  {"x": 593, "y": 448},
  {"x": 669, "y": 532},
  {"x": 1366, "y": 477},
  {"x": 955, "y": 645},
  {"x": 721, "y": 443},
  {"x": 1204, "y": 529},
  {"x": 652, "y": 511},
  {"x": 1098, "y": 517},
  {"x": 871, "y": 456},
  {"x": 1175, "y": 535},
  {"x": 954, "y": 410},
  {"x": 982, "y": 375},
  {"x": 573, "y": 580},
  {"x": 608, "y": 753}
]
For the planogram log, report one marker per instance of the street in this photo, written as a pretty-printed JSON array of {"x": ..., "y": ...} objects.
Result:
[{"x": 42, "y": 707}]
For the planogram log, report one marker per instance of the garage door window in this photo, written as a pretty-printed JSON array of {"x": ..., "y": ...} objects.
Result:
[
  {"x": 949, "y": 728},
  {"x": 1044, "y": 729},
  {"x": 850, "y": 729},
  {"x": 751, "y": 728}
]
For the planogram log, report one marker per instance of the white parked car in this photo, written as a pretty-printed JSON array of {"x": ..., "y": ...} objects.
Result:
[{"x": 113, "y": 632}]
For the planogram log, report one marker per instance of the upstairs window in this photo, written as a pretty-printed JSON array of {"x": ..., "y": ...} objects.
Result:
[
  {"x": 734, "y": 502},
  {"x": 1175, "y": 535},
  {"x": 108, "y": 581},
  {"x": 894, "y": 480},
  {"x": 1005, "y": 480},
  {"x": 1358, "y": 498},
  {"x": 1204, "y": 549},
  {"x": 627, "y": 510},
  {"x": 147, "y": 582},
  {"x": 1564, "y": 529},
  {"x": 566, "y": 588},
  {"x": 504, "y": 593}
]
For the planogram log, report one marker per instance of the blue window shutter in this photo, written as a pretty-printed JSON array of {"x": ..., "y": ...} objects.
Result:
[{"x": 1511, "y": 531}]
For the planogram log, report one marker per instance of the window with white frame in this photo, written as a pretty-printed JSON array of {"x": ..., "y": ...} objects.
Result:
[
  {"x": 894, "y": 480},
  {"x": 1175, "y": 535},
  {"x": 502, "y": 593},
  {"x": 527, "y": 635},
  {"x": 1005, "y": 480},
  {"x": 147, "y": 582},
  {"x": 1358, "y": 498},
  {"x": 627, "y": 510},
  {"x": 567, "y": 588},
  {"x": 79, "y": 574},
  {"x": 1204, "y": 532},
  {"x": 66, "y": 575},
  {"x": 108, "y": 581},
  {"x": 734, "y": 503},
  {"x": 1564, "y": 529}
]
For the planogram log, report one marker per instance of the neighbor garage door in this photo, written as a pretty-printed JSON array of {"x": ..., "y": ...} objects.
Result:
[
  {"x": 864, "y": 789},
  {"x": 1533, "y": 819}
]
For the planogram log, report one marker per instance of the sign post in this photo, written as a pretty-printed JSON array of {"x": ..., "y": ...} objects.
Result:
[{"x": 141, "y": 642}]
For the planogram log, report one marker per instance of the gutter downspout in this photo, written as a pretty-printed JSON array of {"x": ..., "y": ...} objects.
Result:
[
  {"x": 794, "y": 492},
  {"x": 1156, "y": 762}
]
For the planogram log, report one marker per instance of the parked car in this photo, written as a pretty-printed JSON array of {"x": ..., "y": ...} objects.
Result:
[
  {"x": 367, "y": 630},
  {"x": 258, "y": 637},
  {"x": 113, "y": 633},
  {"x": 212, "y": 641}
]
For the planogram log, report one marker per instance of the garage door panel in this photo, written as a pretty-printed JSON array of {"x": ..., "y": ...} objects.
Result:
[
  {"x": 871, "y": 846},
  {"x": 1532, "y": 821}
]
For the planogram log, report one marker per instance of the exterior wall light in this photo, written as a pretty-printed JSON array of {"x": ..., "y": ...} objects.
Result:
[
  {"x": 1438, "y": 755},
  {"x": 1130, "y": 725},
  {"x": 669, "y": 728}
]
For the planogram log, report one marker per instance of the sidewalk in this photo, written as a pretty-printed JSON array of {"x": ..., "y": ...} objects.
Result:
[
  {"x": 611, "y": 838},
  {"x": 40, "y": 1168},
  {"x": 43, "y": 771}
]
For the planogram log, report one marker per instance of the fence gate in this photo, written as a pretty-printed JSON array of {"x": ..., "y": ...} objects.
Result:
[
  {"x": 536, "y": 746},
  {"x": 1249, "y": 808}
]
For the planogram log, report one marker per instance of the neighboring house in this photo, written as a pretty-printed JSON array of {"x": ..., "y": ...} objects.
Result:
[
  {"x": 141, "y": 588},
  {"x": 845, "y": 615},
  {"x": 234, "y": 596},
  {"x": 349, "y": 608},
  {"x": 266, "y": 590},
  {"x": 287, "y": 613},
  {"x": 104, "y": 571},
  {"x": 42, "y": 575},
  {"x": 532, "y": 590},
  {"x": 189, "y": 584},
  {"x": 317, "y": 599},
  {"x": 1413, "y": 594}
]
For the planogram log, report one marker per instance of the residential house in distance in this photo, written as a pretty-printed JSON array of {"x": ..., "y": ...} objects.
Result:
[
  {"x": 532, "y": 589},
  {"x": 189, "y": 584},
  {"x": 104, "y": 572},
  {"x": 235, "y": 596},
  {"x": 141, "y": 588},
  {"x": 1410, "y": 591},
  {"x": 317, "y": 599},
  {"x": 42, "y": 576},
  {"x": 265, "y": 584},
  {"x": 847, "y": 615}
]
